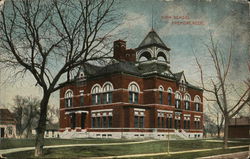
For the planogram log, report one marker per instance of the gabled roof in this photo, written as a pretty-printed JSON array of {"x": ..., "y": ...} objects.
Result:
[
  {"x": 153, "y": 39},
  {"x": 6, "y": 116},
  {"x": 180, "y": 75}
]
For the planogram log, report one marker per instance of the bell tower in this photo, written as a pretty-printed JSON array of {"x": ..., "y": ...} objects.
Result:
[{"x": 152, "y": 48}]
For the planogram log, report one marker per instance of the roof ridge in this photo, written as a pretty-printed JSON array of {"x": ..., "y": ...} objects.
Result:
[{"x": 152, "y": 38}]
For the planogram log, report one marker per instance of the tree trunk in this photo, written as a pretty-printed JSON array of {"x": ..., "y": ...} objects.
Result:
[
  {"x": 218, "y": 131},
  {"x": 226, "y": 132},
  {"x": 41, "y": 125}
]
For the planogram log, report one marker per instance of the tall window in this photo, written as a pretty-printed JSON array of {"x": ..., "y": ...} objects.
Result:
[
  {"x": 197, "y": 122},
  {"x": 178, "y": 100},
  {"x": 161, "y": 120},
  {"x": 197, "y": 103},
  {"x": 186, "y": 122},
  {"x": 187, "y": 101},
  {"x": 81, "y": 98},
  {"x": 177, "y": 123},
  {"x": 107, "y": 93},
  {"x": 133, "y": 93},
  {"x": 161, "y": 89},
  {"x": 138, "y": 119},
  {"x": 101, "y": 119},
  {"x": 96, "y": 96},
  {"x": 69, "y": 98},
  {"x": 83, "y": 119},
  {"x": 169, "y": 121},
  {"x": 169, "y": 96},
  {"x": 73, "y": 120}
]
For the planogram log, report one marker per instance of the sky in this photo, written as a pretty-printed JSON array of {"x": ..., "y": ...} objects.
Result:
[{"x": 183, "y": 25}]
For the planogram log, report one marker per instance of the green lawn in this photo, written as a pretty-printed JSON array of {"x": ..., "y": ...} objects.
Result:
[
  {"x": 14, "y": 143},
  {"x": 152, "y": 147},
  {"x": 193, "y": 155}
]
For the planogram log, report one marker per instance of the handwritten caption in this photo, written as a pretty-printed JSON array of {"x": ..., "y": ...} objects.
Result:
[{"x": 182, "y": 20}]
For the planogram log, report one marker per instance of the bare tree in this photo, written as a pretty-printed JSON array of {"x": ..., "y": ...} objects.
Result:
[
  {"x": 49, "y": 39},
  {"x": 218, "y": 88}
]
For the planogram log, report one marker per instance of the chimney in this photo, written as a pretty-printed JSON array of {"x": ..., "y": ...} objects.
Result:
[{"x": 119, "y": 50}]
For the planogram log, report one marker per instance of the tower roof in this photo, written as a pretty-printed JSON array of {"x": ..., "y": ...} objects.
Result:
[{"x": 153, "y": 39}]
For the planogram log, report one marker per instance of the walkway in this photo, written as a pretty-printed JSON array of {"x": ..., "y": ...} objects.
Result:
[
  {"x": 237, "y": 155},
  {"x": 6, "y": 151}
]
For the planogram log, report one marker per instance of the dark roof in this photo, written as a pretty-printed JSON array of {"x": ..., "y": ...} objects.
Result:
[
  {"x": 153, "y": 39},
  {"x": 6, "y": 116},
  {"x": 89, "y": 69},
  {"x": 121, "y": 66},
  {"x": 178, "y": 75},
  {"x": 113, "y": 67}
]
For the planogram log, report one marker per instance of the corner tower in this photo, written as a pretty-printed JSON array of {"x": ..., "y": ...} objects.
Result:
[{"x": 152, "y": 48}]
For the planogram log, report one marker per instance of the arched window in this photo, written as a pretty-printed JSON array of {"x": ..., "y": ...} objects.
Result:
[
  {"x": 161, "y": 56},
  {"x": 133, "y": 89},
  {"x": 187, "y": 99},
  {"x": 95, "y": 91},
  {"x": 170, "y": 95},
  {"x": 177, "y": 100},
  {"x": 161, "y": 89},
  {"x": 107, "y": 92},
  {"x": 197, "y": 103},
  {"x": 68, "y": 98},
  {"x": 145, "y": 56}
]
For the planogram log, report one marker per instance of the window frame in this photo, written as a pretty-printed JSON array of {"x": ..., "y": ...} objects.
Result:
[
  {"x": 134, "y": 91},
  {"x": 68, "y": 98},
  {"x": 178, "y": 100}
]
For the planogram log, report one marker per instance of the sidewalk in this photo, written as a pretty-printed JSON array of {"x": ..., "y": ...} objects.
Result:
[
  {"x": 237, "y": 155},
  {"x": 6, "y": 151}
]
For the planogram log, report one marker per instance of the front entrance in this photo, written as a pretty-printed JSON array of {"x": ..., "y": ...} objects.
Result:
[{"x": 2, "y": 132}]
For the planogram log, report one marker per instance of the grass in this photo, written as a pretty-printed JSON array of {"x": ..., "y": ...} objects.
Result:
[
  {"x": 15, "y": 143},
  {"x": 193, "y": 155},
  {"x": 152, "y": 147}
]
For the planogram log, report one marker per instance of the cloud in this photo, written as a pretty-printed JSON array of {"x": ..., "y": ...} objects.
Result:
[{"x": 131, "y": 21}]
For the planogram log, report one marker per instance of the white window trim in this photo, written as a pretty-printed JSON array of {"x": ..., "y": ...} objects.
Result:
[
  {"x": 107, "y": 83},
  {"x": 96, "y": 85},
  {"x": 131, "y": 83},
  {"x": 139, "y": 109},
  {"x": 177, "y": 92},
  {"x": 198, "y": 99},
  {"x": 170, "y": 90},
  {"x": 161, "y": 88},
  {"x": 164, "y": 111}
]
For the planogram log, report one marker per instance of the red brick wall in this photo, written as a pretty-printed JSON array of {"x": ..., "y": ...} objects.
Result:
[{"x": 124, "y": 116}]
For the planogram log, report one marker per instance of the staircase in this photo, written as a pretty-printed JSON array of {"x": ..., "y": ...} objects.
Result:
[
  {"x": 182, "y": 134},
  {"x": 73, "y": 134}
]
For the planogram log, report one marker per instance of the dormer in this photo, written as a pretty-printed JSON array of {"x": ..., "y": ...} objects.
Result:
[{"x": 181, "y": 81}]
